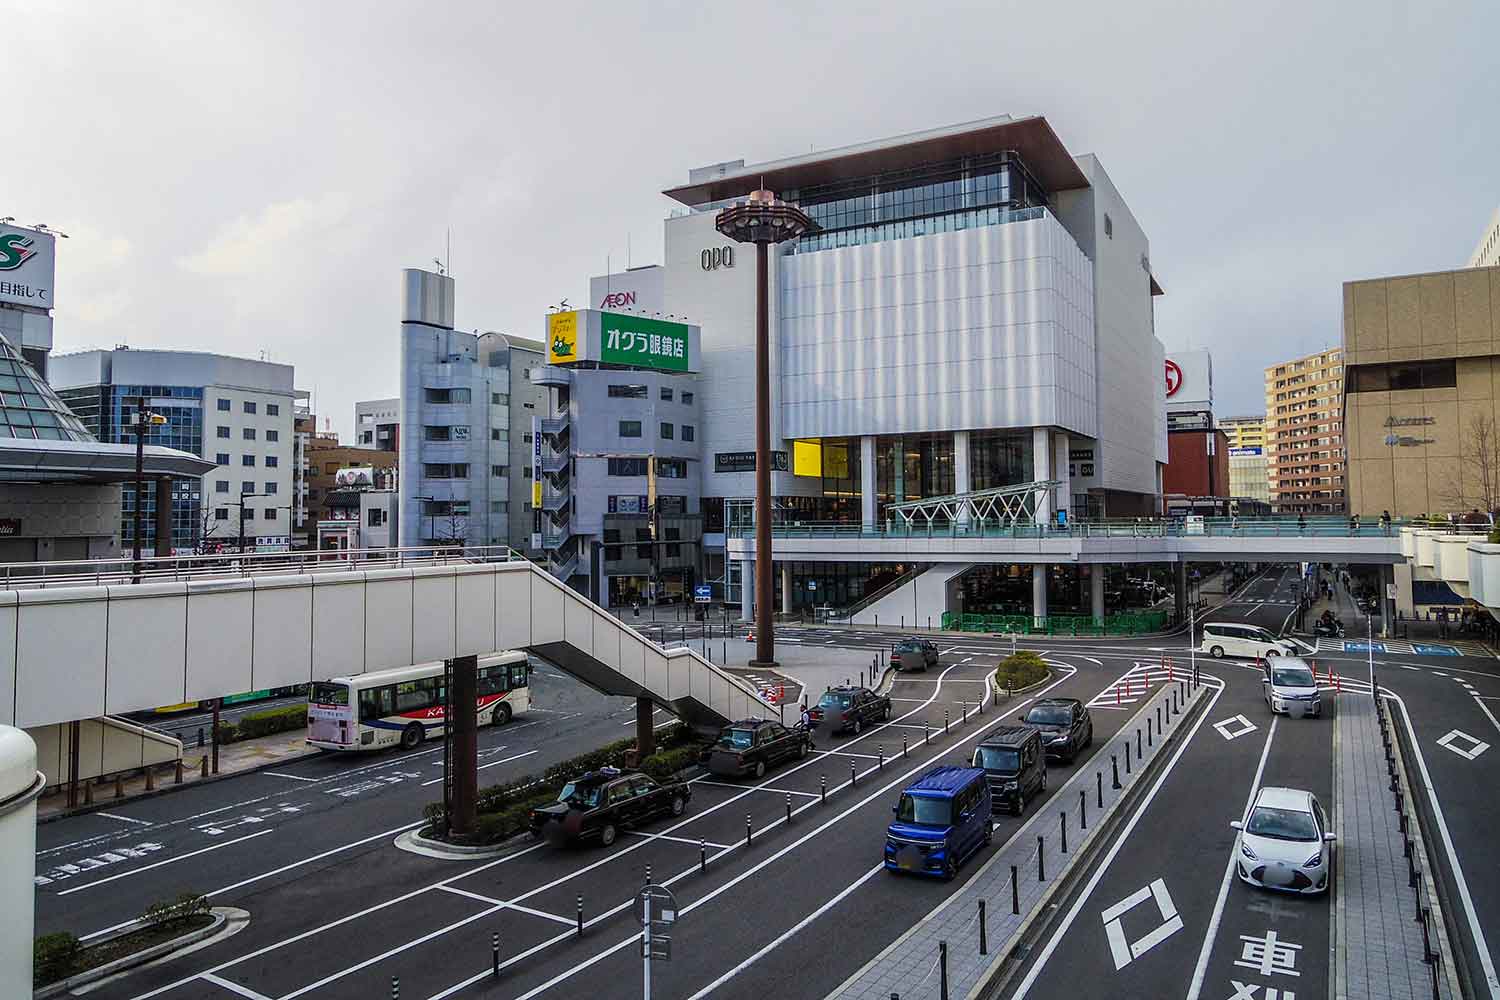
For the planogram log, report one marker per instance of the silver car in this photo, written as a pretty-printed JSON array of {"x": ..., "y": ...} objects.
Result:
[
  {"x": 1284, "y": 842},
  {"x": 1290, "y": 687}
]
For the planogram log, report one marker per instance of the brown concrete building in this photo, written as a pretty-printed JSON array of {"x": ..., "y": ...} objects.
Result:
[
  {"x": 1304, "y": 433},
  {"x": 1423, "y": 357},
  {"x": 324, "y": 458}
]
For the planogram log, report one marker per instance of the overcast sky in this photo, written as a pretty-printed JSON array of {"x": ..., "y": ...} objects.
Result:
[{"x": 251, "y": 178}]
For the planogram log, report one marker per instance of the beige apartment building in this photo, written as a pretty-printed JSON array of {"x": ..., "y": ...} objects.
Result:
[
  {"x": 1247, "y": 457},
  {"x": 1304, "y": 433},
  {"x": 1423, "y": 356}
]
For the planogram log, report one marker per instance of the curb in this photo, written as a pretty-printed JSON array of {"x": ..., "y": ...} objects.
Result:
[
  {"x": 168, "y": 789},
  {"x": 996, "y": 980},
  {"x": 994, "y": 686},
  {"x": 413, "y": 842},
  {"x": 220, "y": 921}
]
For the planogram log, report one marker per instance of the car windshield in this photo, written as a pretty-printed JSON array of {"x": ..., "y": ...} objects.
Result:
[
  {"x": 1004, "y": 759},
  {"x": 581, "y": 796},
  {"x": 736, "y": 739},
  {"x": 1262, "y": 634},
  {"x": 909, "y": 647},
  {"x": 324, "y": 693},
  {"x": 831, "y": 701},
  {"x": 1294, "y": 677},
  {"x": 1281, "y": 824},
  {"x": 924, "y": 811},
  {"x": 1049, "y": 715}
]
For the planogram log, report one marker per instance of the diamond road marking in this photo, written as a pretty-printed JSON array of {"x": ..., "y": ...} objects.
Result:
[
  {"x": 1124, "y": 952},
  {"x": 1475, "y": 748},
  {"x": 1235, "y": 727}
]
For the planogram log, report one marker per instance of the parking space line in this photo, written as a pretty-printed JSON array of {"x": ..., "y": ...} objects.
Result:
[
  {"x": 125, "y": 819},
  {"x": 492, "y": 763},
  {"x": 294, "y": 777},
  {"x": 677, "y": 840},
  {"x": 235, "y": 988},
  {"x": 167, "y": 861},
  {"x": 849, "y": 753}
]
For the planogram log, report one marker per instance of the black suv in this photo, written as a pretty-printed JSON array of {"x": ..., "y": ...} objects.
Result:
[
  {"x": 751, "y": 746},
  {"x": 914, "y": 654},
  {"x": 851, "y": 708},
  {"x": 602, "y": 803},
  {"x": 1013, "y": 762},
  {"x": 1065, "y": 725}
]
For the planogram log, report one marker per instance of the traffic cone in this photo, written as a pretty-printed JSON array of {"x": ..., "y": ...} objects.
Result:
[{"x": 749, "y": 636}]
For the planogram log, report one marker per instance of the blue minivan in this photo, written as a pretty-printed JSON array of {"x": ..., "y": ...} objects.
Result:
[{"x": 941, "y": 819}]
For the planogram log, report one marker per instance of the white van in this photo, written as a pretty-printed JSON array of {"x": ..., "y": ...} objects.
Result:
[{"x": 1222, "y": 639}]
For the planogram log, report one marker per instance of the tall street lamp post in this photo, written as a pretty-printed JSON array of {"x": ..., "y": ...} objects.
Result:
[
  {"x": 763, "y": 219},
  {"x": 144, "y": 420}
]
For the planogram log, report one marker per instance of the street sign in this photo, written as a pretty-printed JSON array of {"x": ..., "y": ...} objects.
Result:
[
  {"x": 812, "y": 584},
  {"x": 702, "y": 594},
  {"x": 663, "y": 906},
  {"x": 1390, "y": 591}
]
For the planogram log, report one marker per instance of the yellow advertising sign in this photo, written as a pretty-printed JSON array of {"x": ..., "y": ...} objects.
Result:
[
  {"x": 562, "y": 338},
  {"x": 807, "y": 458},
  {"x": 536, "y": 494}
]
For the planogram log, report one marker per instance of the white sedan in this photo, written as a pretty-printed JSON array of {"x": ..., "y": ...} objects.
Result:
[{"x": 1284, "y": 842}]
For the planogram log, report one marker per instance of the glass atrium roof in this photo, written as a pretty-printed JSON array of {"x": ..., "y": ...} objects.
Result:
[{"x": 28, "y": 406}]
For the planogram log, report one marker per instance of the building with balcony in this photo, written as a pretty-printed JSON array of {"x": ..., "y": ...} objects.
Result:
[
  {"x": 1422, "y": 352},
  {"x": 377, "y": 424},
  {"x": 465, "y": 454},
  {"x": 1304, "y": 433},
  {"x": 1246, "y": 437},
  {"x": 1487, "y": 250}
]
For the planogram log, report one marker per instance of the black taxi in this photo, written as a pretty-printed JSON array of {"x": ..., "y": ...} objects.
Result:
[
  {"x": 599, "y": 804},
  {"x": 752, "y": 746}
]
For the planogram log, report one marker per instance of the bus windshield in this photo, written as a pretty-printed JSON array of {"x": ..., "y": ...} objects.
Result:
[{"x": 326, "y": 693}]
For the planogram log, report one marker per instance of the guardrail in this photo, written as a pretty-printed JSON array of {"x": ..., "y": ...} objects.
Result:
[
  {"x": 167, "y": 569},
  {"x": 1116, "y": 624},
  {"x": 1320, "y": 527}
]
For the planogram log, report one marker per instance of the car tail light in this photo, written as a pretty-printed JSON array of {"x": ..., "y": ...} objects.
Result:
[{"x": 844, "y": 716}]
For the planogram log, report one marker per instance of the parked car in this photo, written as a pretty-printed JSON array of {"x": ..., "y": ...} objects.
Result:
[
  {"x": 1014, "y": 764},
  {"x": 1222, "y": 639},
  {"x": 942, "y": 819},
  {"x": 1065, "y": 725},
  {"x": 914, "y": 654},
  {"x": 599, "y": 804},
  {"x": 849, "y": 708},
  {"x": 1284, "y": 842},
  {"x": 752, "y": 746},
  {"x": 1290, "y": 688}
]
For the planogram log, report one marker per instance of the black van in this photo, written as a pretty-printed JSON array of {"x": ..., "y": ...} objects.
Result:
[{"x": 1015, "y": 766}]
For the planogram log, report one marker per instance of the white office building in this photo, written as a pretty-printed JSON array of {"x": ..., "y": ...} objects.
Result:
[
  {"x": 234, "y": 412},
  {"x": 377, "y": 424},
  {"x": 465, "y": 430},
  {"x": 974, "y": 311}
]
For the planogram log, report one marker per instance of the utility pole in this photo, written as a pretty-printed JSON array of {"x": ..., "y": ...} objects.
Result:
[{"x": 143, "y": 420}]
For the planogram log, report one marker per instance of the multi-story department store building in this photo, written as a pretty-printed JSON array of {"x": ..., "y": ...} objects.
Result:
[{"x": 974, "y": 310}]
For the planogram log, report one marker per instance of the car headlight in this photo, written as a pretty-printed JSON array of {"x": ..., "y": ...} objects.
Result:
[
  {"x": 1011, "y": 786},
  {"x": 1057, "y": 738},
  {"x": 1245, "y": 850},
  {"x": 1313, "y": 861}
]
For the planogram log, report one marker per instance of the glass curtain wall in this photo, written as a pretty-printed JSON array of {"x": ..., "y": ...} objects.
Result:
[
  {"x": 999, "y": 458},
  {"x": 912, "y": 467}
]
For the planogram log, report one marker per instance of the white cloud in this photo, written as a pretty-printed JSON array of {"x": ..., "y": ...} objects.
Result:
[{"x": 247, "y": 245}]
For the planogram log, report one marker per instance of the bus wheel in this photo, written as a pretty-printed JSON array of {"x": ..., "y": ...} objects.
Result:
[
  {"x": 412, "y": 736},
  {"x": 501, "y": 716}
]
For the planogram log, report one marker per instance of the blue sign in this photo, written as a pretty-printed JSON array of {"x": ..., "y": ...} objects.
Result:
[
  {"x": 1427, "y": 649},
  {"x": 1364, "y": 647},
  {"x": 702, "y": 593}
]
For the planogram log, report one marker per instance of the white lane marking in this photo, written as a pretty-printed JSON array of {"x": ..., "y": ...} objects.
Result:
[
  {"x": 1124, "y": 952},
  {"x": 168, "y": 861},
  {"x": 1234, "y": 727},
  {"x": 235, "y": 988},
  {"x": 125, "y": 819},
  {"x": 493, "y": 763},
  {"x": 1451, "y": 740},
  {"x": 569, "y": 921},
  {"x": 294, "y": 777},
  {"x": 678, "y": 840},
  {"x": 789, "y": 933},
  {"x": 1114, "y": 850},
  {"x": 1492, "y": 981}
]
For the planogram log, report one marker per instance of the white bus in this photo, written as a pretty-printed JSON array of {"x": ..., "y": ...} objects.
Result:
[{"x": 405, "y": 705}]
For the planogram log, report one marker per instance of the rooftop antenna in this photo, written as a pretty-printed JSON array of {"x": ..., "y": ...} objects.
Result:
[{"x": 627, "y": 251}]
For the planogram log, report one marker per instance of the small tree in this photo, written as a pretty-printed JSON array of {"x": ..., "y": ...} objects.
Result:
[
  {"x": 202, "y": 545},
  {"x": 1478, "y": 482}
]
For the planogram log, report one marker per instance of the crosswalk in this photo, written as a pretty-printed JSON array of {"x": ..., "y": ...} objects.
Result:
[
  {"x": 1135, "y": 684},
  {"x": 1401, "y": 647}
]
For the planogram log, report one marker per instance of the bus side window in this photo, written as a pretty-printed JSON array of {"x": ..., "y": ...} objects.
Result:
[
  {"x": 517, "y": 675},
  {"x": 412, "y": 696},
  {"x": 376, "y": 703},
  {"x": 491, "y": 680}
]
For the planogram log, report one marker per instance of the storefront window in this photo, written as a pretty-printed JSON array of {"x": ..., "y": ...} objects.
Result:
[{"x": 999, "y": 458}]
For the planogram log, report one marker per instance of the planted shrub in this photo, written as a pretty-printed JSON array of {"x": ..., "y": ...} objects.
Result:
[{"x": 54, "y": 957}]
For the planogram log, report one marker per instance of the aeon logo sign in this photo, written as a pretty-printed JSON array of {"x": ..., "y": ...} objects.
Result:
[
  {"x": 1174, "y": 379},
  {"x": 617, "y": 300},
  {"x": 712, "y": 260}
]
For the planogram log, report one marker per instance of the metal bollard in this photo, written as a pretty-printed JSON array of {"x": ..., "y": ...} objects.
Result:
[
  {"x": 963, "y": 717},
  {"x": 788, "y": 808},
  {"x": 926, "y": 732},
  {"x": 1041, "y": 859},
  {"x": 880, "y": 755},
  {"x": 150, "y": 779},
  {"x": 395, "y": 988},
  {"x": 823, "y": 788},
  {"x": 1127, "y": 756},
  {"x": 179, "y": 771},
  {"x": 1083, "y": 809},
  {"x": 749, "y": 831},
  {"x": 1062, "y": 826},
  {"x": 903, "y": 744},
  {"x": 1099, "y": 789},
  {"x": 1114, "y": 766},
  {"x": 1015, "y": 892},
  {"x": 945, "y": 722},
  {"x": 1138, "y": 754},
  {"x": 1158, "y": 720},
  {"x": 984, "y": 947},
  {"x": 580, "y": 914},
  {"x": 88, "y": 792},
  {"x": 1148, "y": 731},
  {"x": 648, "y": 875},
  {"x": 943, "y": 970},
  {"x": 853, "y": 775},
  {"x": 200, "y": 736},
  {"x": 1427, "y": 955},
  {"x": 702, "y": 857},
  {"x": 495, "y": 955},
  {"x": 203, "y": 766},
  {"x": 120, "y": 789}
]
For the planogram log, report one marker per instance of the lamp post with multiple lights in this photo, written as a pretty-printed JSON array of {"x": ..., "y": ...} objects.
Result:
[{"x": 763, "y": 219}]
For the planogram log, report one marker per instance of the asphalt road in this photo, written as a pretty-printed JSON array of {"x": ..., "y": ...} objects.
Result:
[{"x": 337, "y": 911}]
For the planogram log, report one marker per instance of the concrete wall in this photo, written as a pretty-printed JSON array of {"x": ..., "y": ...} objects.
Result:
[
  {"x": 985, "y": 328},
  {"x": 62, "y": 521},
  {"x": 105, "y": 746},
  {"x": 1449, "y": 314}
]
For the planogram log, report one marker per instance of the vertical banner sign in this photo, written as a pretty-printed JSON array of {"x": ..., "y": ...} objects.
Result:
[
  {"x": 536, "y": 482},
  {"x": 643, "y": 342}
]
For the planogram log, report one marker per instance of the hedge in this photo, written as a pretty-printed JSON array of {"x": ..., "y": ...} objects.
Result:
[
  {"x": 54, "y": 957},
  {"x": 503, "y": 808},
  {"x": 257, "y": 724},
  {"x": 1020, "y": 669}
]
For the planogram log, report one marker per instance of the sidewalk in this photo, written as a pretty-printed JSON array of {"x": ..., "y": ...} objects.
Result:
[
  {"x": 910, "y": 966},
  {"x": 235, "y": 758},
  {"x": 1377, "y": 942}
]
